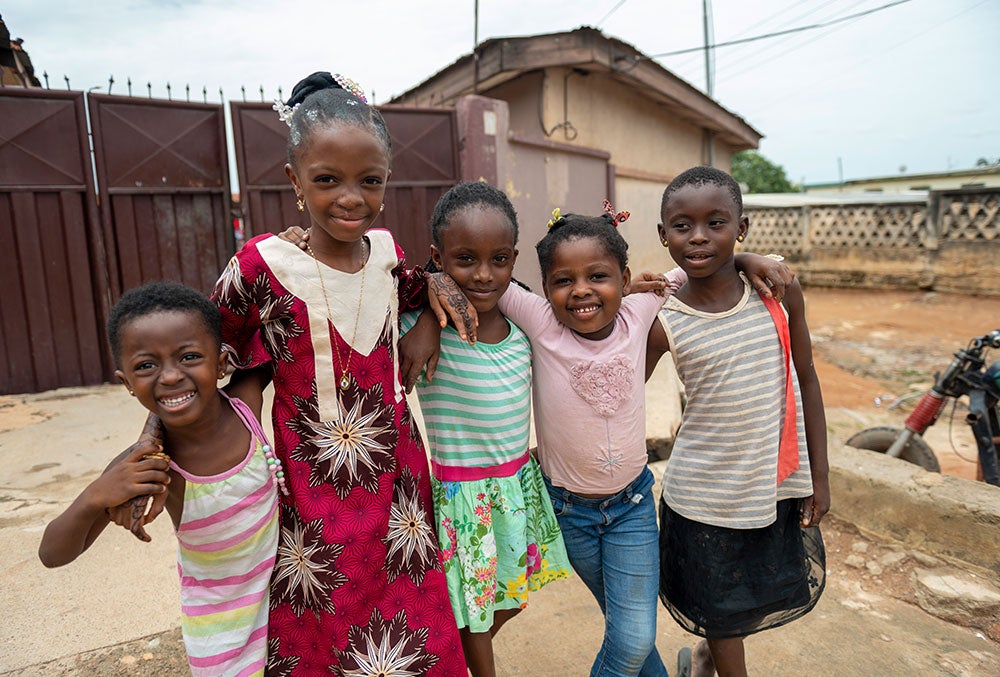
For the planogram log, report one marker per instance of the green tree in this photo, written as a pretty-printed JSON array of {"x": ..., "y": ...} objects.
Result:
[{"x": 760, "y": 174}]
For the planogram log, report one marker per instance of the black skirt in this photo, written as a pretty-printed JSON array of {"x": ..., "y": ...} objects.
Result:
[{"x": 720, "y": 583}]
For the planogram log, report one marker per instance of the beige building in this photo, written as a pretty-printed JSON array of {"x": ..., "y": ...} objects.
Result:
[
  {"x": 584, "y": 117},
  {"x": 568, "y": 119},
  {"x": 979, "y": 177}
]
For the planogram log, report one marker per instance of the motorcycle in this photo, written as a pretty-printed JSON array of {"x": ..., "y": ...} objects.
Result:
[{"x": 967, "y": 375}]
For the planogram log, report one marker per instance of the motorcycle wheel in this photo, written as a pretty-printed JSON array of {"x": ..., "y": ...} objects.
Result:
[{"x": 881, "y": 438}]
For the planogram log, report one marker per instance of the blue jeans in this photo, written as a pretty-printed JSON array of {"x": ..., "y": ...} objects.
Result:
[{"x": 613, "y": 546}]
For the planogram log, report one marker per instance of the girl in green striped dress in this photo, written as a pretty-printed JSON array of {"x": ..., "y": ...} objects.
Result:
[{"x": 498, "y": 535}]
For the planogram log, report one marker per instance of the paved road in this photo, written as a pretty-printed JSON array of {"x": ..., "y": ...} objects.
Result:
[{"x": 115, "y": 611}]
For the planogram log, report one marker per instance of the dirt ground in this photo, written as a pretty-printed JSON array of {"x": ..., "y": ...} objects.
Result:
[{"x": 872, "y": 347}]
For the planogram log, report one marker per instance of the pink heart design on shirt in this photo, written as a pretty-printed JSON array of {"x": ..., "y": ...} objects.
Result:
[{"x": 603, "y": 385}]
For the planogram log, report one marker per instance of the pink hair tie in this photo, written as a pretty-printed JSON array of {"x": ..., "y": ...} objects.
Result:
[{"x": 616, "y": 218}]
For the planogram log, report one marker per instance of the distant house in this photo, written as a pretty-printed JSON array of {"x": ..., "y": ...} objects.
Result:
[
  {"x": 979, "y": 177},
  {"x": 584, "y": 117},
  {"x": 15, "y": 65}
]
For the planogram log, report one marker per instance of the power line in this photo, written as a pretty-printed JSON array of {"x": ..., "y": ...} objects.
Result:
[
  {"x": 776, "y": 34},
  {"x": 610, "y": 12}
]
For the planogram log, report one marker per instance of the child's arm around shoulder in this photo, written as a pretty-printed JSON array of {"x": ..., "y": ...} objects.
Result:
[
  {"x": 248, "y": 385},
  {"x": 816, "y": 506},
  {"x": 70, "y": 534}
]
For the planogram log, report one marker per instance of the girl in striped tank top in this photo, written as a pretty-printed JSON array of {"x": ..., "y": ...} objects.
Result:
[
  {"x": 747, "y": 482},
  {"x": 220, "y": 482},
  {"x": 498, "y": 534}
]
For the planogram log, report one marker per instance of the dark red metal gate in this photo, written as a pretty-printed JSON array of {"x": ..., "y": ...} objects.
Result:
[
  {"x": 53, "y": 291},
  {"x": 162, "y": 176},
  {"x": 425, "y": 165}
]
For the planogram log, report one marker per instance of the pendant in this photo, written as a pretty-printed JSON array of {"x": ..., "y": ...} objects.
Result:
[{"x": 345, "y": 381}]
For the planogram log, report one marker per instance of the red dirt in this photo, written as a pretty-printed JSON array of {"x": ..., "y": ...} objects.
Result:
[{"x": 870, "y": 344}]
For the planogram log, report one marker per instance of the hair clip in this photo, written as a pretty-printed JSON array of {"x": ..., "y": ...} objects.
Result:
[
  {"x": 616, "y": 218},
  {"x": 285, "y": 112},
  {"x": 349, "y": 85},
  {"x": 556, "y": 217}
]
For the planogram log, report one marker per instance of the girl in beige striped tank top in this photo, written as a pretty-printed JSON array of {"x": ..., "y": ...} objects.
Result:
[{"x": 747, "y": 482}]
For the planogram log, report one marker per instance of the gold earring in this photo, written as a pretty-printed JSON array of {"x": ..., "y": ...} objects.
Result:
[
  {"x": 740, "y": 237},
  {"x": 665, "y": 243},
  {"x": 300, "y": 203},
  {"x": 131, "y": 392}
]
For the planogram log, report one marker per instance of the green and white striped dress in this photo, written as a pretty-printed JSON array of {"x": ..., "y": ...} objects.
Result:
[{"x": 498, "y": 535}]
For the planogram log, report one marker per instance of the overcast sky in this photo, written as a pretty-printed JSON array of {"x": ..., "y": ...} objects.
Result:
[{"x": 913, "y": 85}]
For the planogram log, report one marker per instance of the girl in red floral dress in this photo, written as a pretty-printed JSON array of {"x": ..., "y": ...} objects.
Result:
[{"x": 357, "y": 588}]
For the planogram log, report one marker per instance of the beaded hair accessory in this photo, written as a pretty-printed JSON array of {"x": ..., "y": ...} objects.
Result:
[
  {"x": 616, "y": 217},
  {"x": 349, "y": 85},
  {"x": 557, "y": 218},
  {"x": 285, "y": 112}
]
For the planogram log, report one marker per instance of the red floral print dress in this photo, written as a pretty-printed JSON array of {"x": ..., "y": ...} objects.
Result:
[{"x": 357, "y": 588}]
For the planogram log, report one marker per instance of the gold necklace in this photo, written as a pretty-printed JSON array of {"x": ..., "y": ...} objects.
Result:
[{"x": 345, "y": 379}]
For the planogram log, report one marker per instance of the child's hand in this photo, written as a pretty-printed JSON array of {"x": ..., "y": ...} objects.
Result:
[
  {"x": 125, "y": 489},
  {"x": 444, "y": 295},
  {"x": 296, "y": 236},
  {"x": 647, "y": 281},
  {"x": 767, "y": 274},
  {"x": 816, "y": 506},
  {"x": 419, "y": 347}
]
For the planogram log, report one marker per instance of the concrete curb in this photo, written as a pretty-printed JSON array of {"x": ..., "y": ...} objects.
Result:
[{"x": 894, "y": 500}]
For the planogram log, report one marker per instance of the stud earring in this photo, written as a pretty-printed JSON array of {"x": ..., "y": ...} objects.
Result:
[
  {"x": 300, "y": 203},
  {"x": 665, "y": 243},
  {"x": 741, "y": 237},
  {"x": 131, "y": 392}
]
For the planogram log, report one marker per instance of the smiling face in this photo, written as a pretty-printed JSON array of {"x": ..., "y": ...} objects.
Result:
[
  {"x": 584, "y": 286},
  {"x": 172, "y": 362},
  {"x": 340, "y": 171},
  {"x": 700, "y": 226},
  {"x": 477, "y": 251}
]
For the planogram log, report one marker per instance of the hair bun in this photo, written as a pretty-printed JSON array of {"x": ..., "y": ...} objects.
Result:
[{"x": 316, "y": 82}]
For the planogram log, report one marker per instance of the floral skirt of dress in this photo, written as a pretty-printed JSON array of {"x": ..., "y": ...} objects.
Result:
[
  {"x": 499, "y": 540},
  {"x": 720, "y": 583}
]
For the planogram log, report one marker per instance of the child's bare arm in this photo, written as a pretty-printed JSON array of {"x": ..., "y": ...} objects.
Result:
[
  {"x": 656, "y": 346},
  {"x": 248, "y": 385},
  {"x": 815, "y": 507},
  {"x": 418, "y": 347},
  {"x": 70, "y": 534}
]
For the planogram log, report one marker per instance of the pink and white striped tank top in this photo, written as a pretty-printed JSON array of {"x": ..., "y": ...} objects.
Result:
[{"x": 227, "y": 540}]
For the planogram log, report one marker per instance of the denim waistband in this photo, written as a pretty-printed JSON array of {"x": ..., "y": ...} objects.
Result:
[{"x": 632, "y": 493}]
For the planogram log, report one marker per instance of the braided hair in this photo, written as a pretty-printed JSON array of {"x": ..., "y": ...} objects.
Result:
[
  {"x": 700, "y": 176},
  {"x": 321, "y": 99},
  {"x": 466, "y": 196},
  {"x": 156, "y": 297},
  {"x": 575, "y": 226}
]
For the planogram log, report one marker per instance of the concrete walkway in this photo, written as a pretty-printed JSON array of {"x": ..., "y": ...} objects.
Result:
[{"x": 115, "y": 610}]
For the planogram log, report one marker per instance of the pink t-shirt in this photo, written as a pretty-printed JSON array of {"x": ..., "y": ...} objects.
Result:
[{"x": 589, "y": 396}]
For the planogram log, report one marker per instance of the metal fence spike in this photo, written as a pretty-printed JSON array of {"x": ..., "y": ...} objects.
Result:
[
  {"x": 281, "y": 97},
  {"x": 243, "y": 91},
  {"x": 45, "y": 74},
  {"x": 169, "y": 98},
  {"x": 111, "y": 81},
  {"x": 187, "y": 91},
  {"x": 149, "y": 89},
  {"x": 128, "y": 81},
  {"x": 222, "y": 98},
  {"x": 204, "y": 93},
  {"x": 262, "y": 93},
  {"x": 66, "y": 78}
]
